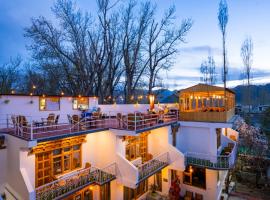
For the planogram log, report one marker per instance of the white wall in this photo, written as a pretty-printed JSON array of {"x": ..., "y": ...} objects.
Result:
[
  {"x": 3, "y": 168},
  {"x": 211, "y": 185},
  {"x": 14, "y": 178},
  {"x": 130, "y": 108},
  {"x": 20, "y": 105},
  {"x": 99, "y": 149},
  {"x": 196, "y": 139}
]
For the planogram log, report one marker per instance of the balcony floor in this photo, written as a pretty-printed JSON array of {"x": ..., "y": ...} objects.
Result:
[{"x": 66, "y": 130}]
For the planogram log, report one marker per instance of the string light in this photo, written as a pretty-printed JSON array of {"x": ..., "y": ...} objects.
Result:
[
  {"x": 62, "y": 93},
  {"x": 34, "y": 87},
  {"x": 31, "y": 94},
  {"x": 12, "y": 92}
]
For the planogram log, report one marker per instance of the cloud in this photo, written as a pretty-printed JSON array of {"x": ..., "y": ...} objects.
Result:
[{"x": 201, "y": 49}]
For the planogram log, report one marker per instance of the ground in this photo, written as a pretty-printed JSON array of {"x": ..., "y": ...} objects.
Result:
[{"x": 247, "y": 192}]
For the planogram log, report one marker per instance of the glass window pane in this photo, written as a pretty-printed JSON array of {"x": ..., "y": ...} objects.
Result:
[
  {"x": 66, "y": 162},
  {"x": 76, "y": 160},
  {"x": 57, "y": 169},
  {"x": 56, "y": 151},
  {"x": 76, "y": 147}
]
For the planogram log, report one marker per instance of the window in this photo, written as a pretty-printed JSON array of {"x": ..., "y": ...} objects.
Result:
[
  {"x": 49, "y": 103},
  {"x": 195, "y": 176},
  {"x": 130, "y": 193},
  {"x": 43, "y": 168},
  {"x": 137, "y": 147},
  {"x": 63, "y": 160},
  {"x": 218, "y": 133},
  {"x": 158, "y": 181},
  {"x": 80, "y": 103}
]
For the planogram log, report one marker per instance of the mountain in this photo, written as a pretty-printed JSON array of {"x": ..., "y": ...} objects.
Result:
[{"x": 260, "y": 94}]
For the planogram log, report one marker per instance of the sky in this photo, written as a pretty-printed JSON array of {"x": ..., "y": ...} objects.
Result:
[{"x": 246, "y": 18}]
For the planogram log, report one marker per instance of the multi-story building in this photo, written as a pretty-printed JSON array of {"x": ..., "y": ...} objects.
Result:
[{"x": 51, "y": 150}]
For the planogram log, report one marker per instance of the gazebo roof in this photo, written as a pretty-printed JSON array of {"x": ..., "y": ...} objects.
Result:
[{"x": 204, "y": 88}]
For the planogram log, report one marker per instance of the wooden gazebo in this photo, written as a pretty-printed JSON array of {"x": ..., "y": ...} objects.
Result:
[{"x": 206, "y": 103}]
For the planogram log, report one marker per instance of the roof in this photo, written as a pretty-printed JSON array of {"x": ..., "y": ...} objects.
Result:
[
  {"x": 204, "y": 87},
  {"x": 37, "y": 95}
]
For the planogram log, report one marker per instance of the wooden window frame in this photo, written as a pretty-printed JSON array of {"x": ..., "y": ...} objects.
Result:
[
  {"x": 78, "y": 99},
  {"x": 39, "y": 106},
  {"x": 62, "y": 161}
]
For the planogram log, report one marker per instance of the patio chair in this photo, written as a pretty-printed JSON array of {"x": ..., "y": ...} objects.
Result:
[
  {"x": 56, "y": 121},
  {"x": 50, "y": 119},
  {"x": 131, "y": 121}
]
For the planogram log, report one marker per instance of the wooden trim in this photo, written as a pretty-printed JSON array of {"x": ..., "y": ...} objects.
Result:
[
  {"x": 47, "y": 148},
  {"x": 46, "y": 97}
]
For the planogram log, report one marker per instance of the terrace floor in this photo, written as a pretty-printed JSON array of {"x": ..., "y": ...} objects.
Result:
[{"x": 44, "y": 133}]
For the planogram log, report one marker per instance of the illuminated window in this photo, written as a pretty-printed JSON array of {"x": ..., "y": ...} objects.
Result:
[
  {"x": 195, "y": 176},
  {"x": 80, "y": 103},
  {"x": 49, "y": 103},
  {"x": 63, "y": 160}
]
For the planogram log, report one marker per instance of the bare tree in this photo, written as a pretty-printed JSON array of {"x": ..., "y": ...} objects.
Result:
[
  {"x": 9, "y": 75},
  {"x": 162, "y": 43},
  {"x": 208, "y": 71},
  {"x": 223, "y": 20},
  {"x": 134, "y": 30},
  {"x": 247, "y": 57}
]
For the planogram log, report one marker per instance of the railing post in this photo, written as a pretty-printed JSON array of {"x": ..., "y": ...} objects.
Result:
[
  {"x": 109, "y": 119},
  {"x": 7, "y": 122},
  {"x": 135, "y": 121},
  {"x": 31, "y": 129}
]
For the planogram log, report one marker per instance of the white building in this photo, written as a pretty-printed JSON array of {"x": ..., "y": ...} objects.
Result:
[{"x": 118, "y": 151}]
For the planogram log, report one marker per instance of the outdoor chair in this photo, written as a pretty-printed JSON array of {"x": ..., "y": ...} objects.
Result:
[
  {"x": 50, "y": 119},
  {"x": 56, "y": 120}
]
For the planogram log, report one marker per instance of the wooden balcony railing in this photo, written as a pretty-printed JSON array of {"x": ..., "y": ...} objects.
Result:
[
  {"x": 201, "y": 116},
  {"x": 72, "y": 182}
]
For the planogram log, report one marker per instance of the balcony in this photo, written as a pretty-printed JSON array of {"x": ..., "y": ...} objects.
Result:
[
  {"x": 207, "y": 116},
  {"x": 75, "y": 181},
  {"x": 205, "y": 103},
  {"x": 39, "y": 128},
  {"x": 133, "y": 172},
  {"x": 153, "y": 166},
  {"x": 220, "y": 162}
]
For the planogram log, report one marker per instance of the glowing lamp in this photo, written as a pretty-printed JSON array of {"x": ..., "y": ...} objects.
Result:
[
  {"x": 12, "y": 92},
  {"x": 62, "y": 93},
  {"x": 190, "y": 169},
  {"x": 152, "y": 101}
]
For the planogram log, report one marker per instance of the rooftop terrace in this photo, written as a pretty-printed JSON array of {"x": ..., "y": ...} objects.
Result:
[
  {"x": 55, "y": 126},
  {"x": 206, "y": 103}
]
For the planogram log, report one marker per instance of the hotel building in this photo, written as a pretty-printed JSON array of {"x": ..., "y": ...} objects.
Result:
[{"x": 49, "y": 149}]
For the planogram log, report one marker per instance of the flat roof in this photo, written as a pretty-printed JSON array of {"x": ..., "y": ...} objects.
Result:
[{"x": 38, "y": 95}]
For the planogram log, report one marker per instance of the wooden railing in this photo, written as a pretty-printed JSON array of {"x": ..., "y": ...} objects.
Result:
[
  {"x": 206, "y": 116},
  {"x": 70, "y": 183}
]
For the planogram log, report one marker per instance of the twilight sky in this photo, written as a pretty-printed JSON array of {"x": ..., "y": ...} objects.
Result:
[{"x": 246, "y": 18}]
